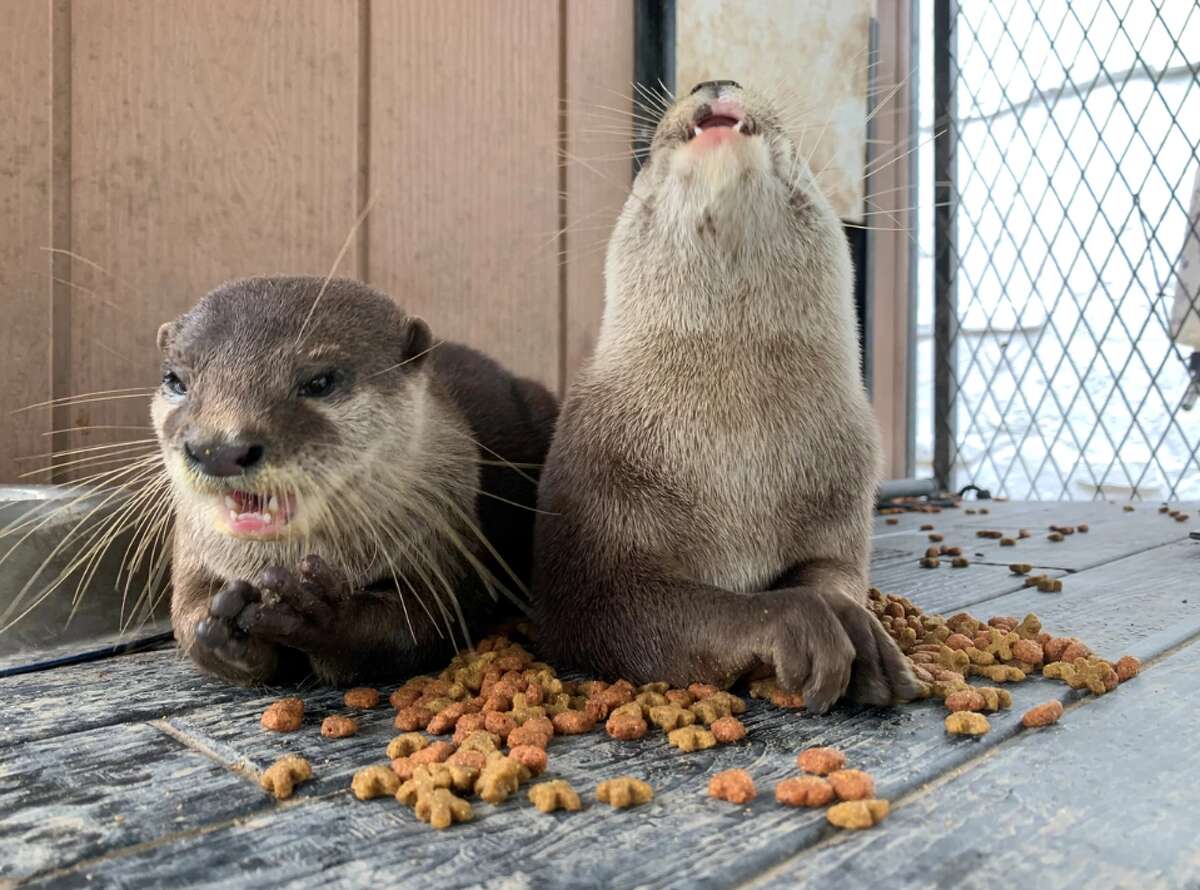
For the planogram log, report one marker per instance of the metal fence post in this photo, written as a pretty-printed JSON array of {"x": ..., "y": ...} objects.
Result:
[{"x": 945, "y": 307}]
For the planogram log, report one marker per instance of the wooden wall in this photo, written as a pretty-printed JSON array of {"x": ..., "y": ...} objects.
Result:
[{"x": 151, "y": 150}]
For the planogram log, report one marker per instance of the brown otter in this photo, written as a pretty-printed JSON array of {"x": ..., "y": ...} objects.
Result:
[
  {"x": 346, "y": 495},
  {"x": 705, "y": 509}
]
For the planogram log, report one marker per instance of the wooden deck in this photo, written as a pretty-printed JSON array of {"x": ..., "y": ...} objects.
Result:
[{"x": 136, "y": 771}]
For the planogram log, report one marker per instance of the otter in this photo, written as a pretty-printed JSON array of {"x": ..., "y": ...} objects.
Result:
[
  {"x": 705, "y": 508},
  {"x": 349, "y": 496}
]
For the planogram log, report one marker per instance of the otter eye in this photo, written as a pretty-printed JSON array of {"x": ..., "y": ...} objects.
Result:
[
  {"x": 318, "y": 387},
  {"x": 173, "y": 385}
]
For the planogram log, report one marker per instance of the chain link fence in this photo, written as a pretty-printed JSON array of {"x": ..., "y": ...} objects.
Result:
[{"x": 1059, "y": 311}]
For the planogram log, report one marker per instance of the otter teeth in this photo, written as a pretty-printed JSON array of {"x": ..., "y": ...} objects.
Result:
[
  {"x": 273, "y": 503},
  {"x": 230, "y": 503},
  {"x": 696, "y": 131},
  {"x": 737, "y": 128}
]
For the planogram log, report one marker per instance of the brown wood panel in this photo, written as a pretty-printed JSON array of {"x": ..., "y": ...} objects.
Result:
[
  {"x": 599, "y": 169},
  {"x": 208, "y": 141},
  {"x": 464, "y": 131},
  {"x": 24, "y": 231},
  {"x": 890, "y": 195}
]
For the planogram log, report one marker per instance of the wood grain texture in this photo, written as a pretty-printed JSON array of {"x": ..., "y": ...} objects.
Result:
[
  {"x": 143, "y": 686},
  {"x": 209, "y": 141},
  {"x": 1100, "y": 799},
  {"x": 24, "y": 232},
  {"x": 464, "y": 133},
  {"x": 599, "y": 53},
  {"x": 66, "y": 799},
  {"x": 1131, "y": 605}
]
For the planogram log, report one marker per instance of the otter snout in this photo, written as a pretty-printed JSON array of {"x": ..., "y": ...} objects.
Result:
[{"x": 224, "y": 459}]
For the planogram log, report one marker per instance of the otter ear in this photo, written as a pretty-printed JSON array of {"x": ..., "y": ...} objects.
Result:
[
  {"x": 417, "y": 340},
  {"x": 166, "y": 333}
]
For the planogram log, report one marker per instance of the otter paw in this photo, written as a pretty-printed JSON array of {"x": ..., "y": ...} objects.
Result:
[{"x": 293, "y": 609}]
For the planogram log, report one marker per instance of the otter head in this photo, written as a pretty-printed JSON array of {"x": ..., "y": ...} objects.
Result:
[
  {"x": 278, "y": 397},
  {"x": 724, "y": 205}
]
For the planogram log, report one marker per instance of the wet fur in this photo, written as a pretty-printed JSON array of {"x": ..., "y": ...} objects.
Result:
[
  {"x": 387, "y": 475},
  {"x": 708, "y": 494}
]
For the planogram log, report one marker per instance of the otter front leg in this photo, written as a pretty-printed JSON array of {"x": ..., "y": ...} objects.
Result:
[{"x": 347, "y": 635}]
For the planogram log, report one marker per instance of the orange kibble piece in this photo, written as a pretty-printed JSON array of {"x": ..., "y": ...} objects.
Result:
[
  {"x": 852, "y": 784},
  {"x": 1043, "y": 714},
  {"x": 821, "y": 761},
  {"x": 804, "y": 791},
  {"x": 733, "y": 785}
]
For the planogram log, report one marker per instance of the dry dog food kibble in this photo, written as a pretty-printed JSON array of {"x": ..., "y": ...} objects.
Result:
[
  {"x": 1020, "y": 568},
  {"x": 404, "y": 745},
  {"x": 281, "y": 777},
  {"x": 727, "y": 730},
  {"x": 499, "y": 779},
  {"x": 337, "y": 727},
  {"x": 531, "y": 757},
  {"x": 285, "y": 715},
  {"x": 362, "y": 698},
  {"x": 624, "y": 791},
  {"x": 555, "y": 795},
  {"x": 821, "y": 761},
  {"x": 804, "y": 791},
  {"x": 691, "y": 738},
  {"x": 434, "y": 753},
  {"x": 733, "y": 785},
  {"x": 374, "y": 781},
  {"x": 967, "y": 723},
  {"x": 858, "y": 814},
  {"x": 441, "y": 809},
  {"x": 1127, "y": 667},
  {"x": 852, "y": 784},
  {"x": 1043, "y": 714},
  {"x": 412, "y": 717}
]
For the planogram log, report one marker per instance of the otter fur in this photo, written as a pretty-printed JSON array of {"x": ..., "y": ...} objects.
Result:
[
  {"x": 705, "y": 509},
  {"x": 349, "y": 496}
]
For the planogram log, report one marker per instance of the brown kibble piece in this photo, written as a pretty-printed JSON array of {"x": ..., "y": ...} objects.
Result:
[
  {"x": 935, "y": 537},
  {"x": 467, "y": 724},
  {"x": 374, "y": 781},
  {"x": 483, "y": 741},
  {"x": 727, "y": 730},
  {"x": 531, "y": 733},
  {"x": 404, "y": 697},
  {"x": 1082, "y": 528},
  {"x": 437, "y": 752},
  {"x": 475, "y": 760},
  {"x": 499, "y": 724},
  {"x": 555, "y": 795},
  {"x": 403, "y": 768},
  {"x": 1056, "y": 537},
  {"x": 669, "y": 717},
  {"x": 339, "y": 727},
  {"x": 891, "y": 520},
  {"x": 1027, "y": 651},
  {"x": 412, "y": 717},
  {"x": 1043, "y": 714},
  {"x": 965, "y": 700},
  {"x": 960, "y": 562},
  {"x": 1020, "y": 568},
  {"x": 702, "y": 690},
  {"x": 625, "y": 726},
  {"x": 1127, "y": 667},
  {"x": 531, "y": 757},
  {"x": 958, "y": 641},
  {"x": 572, "y": 722},
  {"x": 1128, "y": 508},
  {"x": 926, "y": 527},
  {"x": 281, "y": 777},
  {"x": 733, "y": 785},
  {"x": 404, "y": 745},
  {"x": 624, "y": 791},
  {"x": 967, "y": 723},
  {"x": 821, "y": 761},
  {"x": 852, "y": 784},
  {"x": 804, "y": 791},
  {"x": 930, "y": 562},
  {"x": 361, "y": 697},
  {"x": 285, "y": 715},
  {"x": 855, "y": 815}
]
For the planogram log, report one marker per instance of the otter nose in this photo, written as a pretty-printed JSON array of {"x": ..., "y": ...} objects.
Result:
[
  {"x": 715, "y": 86},
  {"x": 224, "y": 458}
]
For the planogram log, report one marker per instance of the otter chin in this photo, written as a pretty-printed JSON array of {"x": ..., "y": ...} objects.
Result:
[
  {"x": 346, "y": 490},
  {"x": 705, "y": 509}
]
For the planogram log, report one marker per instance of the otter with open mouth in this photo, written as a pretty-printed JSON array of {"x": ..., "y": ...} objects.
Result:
[
  {"x": 706, "y": 503},
  {"x": 349, "y": 496}
]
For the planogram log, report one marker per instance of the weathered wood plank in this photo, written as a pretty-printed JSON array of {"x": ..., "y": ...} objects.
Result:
[
  {"x": 1130, "y": 608},
  {"x": 1113, "y": 533},
  {"x": 947, "y": 589},
  {"x": 143, "y": 686},
  {"x": 66, "y": 799},
  {"x": 1102, "y": 799}
]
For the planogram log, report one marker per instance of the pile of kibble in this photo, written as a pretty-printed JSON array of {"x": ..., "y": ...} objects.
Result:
[{"x": 489, "y": 718}]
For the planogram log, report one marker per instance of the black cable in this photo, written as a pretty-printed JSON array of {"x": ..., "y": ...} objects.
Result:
[{"x": 90, "y": 655}]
